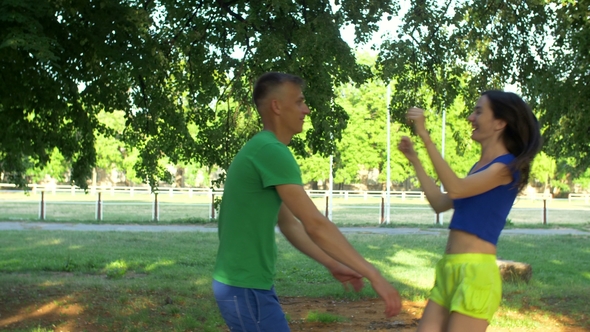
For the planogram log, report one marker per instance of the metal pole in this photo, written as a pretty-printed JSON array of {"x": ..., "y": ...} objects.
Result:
[
  {"x": 329, "y": 197},
  {"x": 544, "y": 211},
  {"x": 42, "y": 206},
  {"x": 439, "y": 216},
  {"x": 155, "y": 207},
  {"x": 382, "y": 210},
  {"x": 99, "y": 208},
  {"x": 212, "y": 215},
  {"x": 388, "y": 182}
]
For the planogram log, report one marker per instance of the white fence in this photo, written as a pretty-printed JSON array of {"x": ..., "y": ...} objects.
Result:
[{"x": 142, "y": 203}]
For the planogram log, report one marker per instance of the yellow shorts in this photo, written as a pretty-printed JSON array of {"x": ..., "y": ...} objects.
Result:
[{"x": 469, "y": 284}]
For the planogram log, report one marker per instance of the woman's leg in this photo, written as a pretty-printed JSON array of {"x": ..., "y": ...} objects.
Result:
[
  {"x": 434, "y": 318},
  {"x": 463, "y": 323}
]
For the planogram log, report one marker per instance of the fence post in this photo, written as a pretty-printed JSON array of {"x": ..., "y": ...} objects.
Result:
[
  {"x": 73, "y": 189},
  {"x": 327, "y": 199},
  {"x": 382, "y": 210},
  {"x": 156, "y": 212},
  {"x": 42, "y": 206},
  {"x": 212, "y": 213},
  {"x": 544, "y": 211},
  {"x": 99, "y": 208}
]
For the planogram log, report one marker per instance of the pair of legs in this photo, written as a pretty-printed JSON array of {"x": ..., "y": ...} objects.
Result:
[
  {"x": 466, "y": 293},
  {"x": 250, "y": 310},
  {"x": 437, "y": 318}
]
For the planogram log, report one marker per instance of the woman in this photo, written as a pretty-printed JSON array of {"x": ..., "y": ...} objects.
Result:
[{"x": 468, "y": 286}]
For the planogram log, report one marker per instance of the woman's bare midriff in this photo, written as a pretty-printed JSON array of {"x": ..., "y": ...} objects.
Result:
[{"x": 460, "y": 242}]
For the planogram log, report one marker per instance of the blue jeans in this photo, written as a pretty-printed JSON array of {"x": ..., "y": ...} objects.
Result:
[{"x": 250, "y": 310}]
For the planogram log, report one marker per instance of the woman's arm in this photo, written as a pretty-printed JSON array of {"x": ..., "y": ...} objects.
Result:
[
  {"x": 475, "y": 184},
  {"x": 439, "y": 201}
]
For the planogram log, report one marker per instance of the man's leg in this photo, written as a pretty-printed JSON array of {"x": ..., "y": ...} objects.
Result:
[{"x": 250, "y": 310}]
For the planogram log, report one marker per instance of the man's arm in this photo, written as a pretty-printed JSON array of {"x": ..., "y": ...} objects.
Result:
[
  {"x": 293, "y": 230},
  {"x": 329, "y": 238}
]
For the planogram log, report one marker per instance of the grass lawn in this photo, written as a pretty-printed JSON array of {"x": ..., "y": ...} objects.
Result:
[{"x": 110, "y": 281}]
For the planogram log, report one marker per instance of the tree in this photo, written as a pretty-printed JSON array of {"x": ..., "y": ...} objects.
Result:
[
  {"x": 166, "y": 65},
  {"x": 560, "y": 86},
  {"x": 459, "y": 49},
  {"x": 57, "y": 168},
  {"x": 543, "y": 170}
]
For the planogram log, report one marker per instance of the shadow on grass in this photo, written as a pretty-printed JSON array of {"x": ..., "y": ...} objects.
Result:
[
  {"x": 103, "y": 308},
  {"x": 172, "y": 287}
]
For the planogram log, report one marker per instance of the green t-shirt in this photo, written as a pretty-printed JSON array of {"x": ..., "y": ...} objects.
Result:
[{"x": 249, "y": 212}]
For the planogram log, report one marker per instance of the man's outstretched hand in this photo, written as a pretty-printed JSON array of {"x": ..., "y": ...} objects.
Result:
[
  {"x": 393, "y": 302},
  {"x": 348, "y": 277}
]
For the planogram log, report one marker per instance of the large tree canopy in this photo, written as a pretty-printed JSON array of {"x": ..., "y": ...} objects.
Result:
[
  {"x": 446, "y": 49},
  {"x": 168, "y": 65},
  {"x": 182, "y": 71}
]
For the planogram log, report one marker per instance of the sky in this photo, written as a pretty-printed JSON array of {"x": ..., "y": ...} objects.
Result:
[{"x": 385, "y": 27}]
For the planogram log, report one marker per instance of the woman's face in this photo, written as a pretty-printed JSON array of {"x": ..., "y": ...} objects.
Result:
[{"x": 483, "y": 122}]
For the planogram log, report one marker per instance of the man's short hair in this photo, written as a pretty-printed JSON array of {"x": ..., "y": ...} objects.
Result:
[{"x": 270, "y": 81}]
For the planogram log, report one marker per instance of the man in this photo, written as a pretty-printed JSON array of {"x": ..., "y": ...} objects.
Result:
[{"x": 264, "y": 187}]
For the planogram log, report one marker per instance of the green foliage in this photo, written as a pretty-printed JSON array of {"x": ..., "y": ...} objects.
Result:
[
  {"x": 448, "y": 50},
  {"x": 167, "y": 68},
  {"x": 57, "y": 168},
  {"x": 135, "y": 85},
  {"x": 543, "y": 169},
  {"x": 583, "y": 180},
  {"x": 560, "y": 87}
]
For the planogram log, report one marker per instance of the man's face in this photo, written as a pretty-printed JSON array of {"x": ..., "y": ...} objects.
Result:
[{"x": 292, "y": 107}]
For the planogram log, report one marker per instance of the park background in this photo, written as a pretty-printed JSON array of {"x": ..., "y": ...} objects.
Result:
[
  {"x": 159, "y": 94},
  {"x": 114, "y": 97}
]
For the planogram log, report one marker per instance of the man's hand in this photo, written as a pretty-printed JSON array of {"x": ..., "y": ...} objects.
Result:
[
  {"x": 393, "y": 302},
  {"x": 347, "y": 277}
]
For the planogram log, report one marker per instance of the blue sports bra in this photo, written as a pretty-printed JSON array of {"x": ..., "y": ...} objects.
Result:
[{"x": 484, "y": 215}]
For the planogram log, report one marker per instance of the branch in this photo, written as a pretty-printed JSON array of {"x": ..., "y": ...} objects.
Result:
[{"x": 225, "y": 6}]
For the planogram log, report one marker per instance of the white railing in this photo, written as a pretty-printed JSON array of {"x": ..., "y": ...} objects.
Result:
[
  {"x": 203, "y": 199},
  {"x": 101, "y": 195},
  {"x": 171, "y": 191},
  {"x": 585, "y": 197}
]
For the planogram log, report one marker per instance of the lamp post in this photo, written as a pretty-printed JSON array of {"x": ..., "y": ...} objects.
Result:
[
  {"x": 331, "y": 179},
  {"x": 388, "y": 182},
  {"x": 439, "y": 216}
]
